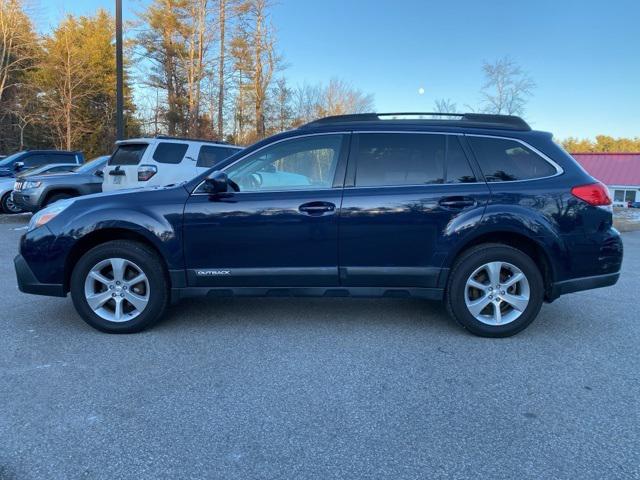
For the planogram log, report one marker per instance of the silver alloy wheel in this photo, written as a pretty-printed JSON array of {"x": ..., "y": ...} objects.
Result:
[
  {"x": 11, "y": 206},
  {"x": 497, "y": 293},
  {"x": 117, "y": 289}
]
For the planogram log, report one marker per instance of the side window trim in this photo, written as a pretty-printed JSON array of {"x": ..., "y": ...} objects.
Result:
[
  {"x": 471, "y": 158},
  {"x": 558, "y": 168},
  {"x": 341, "y": 159}
]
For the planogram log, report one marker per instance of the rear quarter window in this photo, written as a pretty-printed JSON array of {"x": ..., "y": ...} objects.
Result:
[
  {"x": 211, "y": 155},
  {"x": 503, "y": 160},
  {"x": 169, "y": 152},
  {"x": 64, "y": 158},
  {"x": 129, "y": 154}
]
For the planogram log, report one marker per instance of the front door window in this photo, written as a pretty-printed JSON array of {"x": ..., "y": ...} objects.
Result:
[{"x": 306, "y": 163}]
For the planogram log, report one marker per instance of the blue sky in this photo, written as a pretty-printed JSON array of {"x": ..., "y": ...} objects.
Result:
[{"x": 583, "y": 55}]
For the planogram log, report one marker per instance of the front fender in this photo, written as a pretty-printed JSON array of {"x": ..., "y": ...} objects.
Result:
[{"x": 164, "y": 235}]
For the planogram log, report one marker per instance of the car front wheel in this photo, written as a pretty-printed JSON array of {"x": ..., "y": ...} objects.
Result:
[
  {"x": 494, "y": 290},
  {"x": 120, "y": 287},
  {"x": 8, "y": 206}
]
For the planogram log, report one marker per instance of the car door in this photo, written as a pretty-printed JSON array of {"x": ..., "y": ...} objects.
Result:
[
  {"x": 406, "y": 196},
  {"x": 280, "y": 228}
]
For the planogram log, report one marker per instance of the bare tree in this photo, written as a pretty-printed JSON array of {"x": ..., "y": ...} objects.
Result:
[
  {"x": 306, "y": 103},
  {"x": 17, "y": 43},
  {"x": 337, "y": 98},
  {"x": 265, "y": 60},
  {"x": 283, "y": 112},
  {"x": 340, "y": 98},
  {"x": 507, "y": 87},
  {"x": 444, "y": 105},
  {"x": 197, "y": 40},
  {"x": 222, "y": 24},
  {"x": 24, "y": 108}
]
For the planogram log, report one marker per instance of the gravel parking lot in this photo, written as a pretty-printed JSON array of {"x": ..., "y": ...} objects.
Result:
[{"x": 320, "y": 389}]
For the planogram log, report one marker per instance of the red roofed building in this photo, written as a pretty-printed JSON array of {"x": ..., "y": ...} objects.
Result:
[{"x": 620, "y": 172}]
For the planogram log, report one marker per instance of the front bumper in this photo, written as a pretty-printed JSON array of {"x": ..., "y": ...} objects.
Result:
[
  {"x": 27, "y": 201},
  {"x": 28, "y": 283}
]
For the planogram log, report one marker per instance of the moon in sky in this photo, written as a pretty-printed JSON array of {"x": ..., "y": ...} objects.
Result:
[{"x": 421, "y": 91}]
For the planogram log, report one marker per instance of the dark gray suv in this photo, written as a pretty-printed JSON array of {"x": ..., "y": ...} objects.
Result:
[{"x": 36, "y": 192}]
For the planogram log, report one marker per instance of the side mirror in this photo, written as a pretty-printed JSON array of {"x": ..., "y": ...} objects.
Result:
[
  {"x": 18, "y": 166},
  {"x": 218, "y": 182},
  {"x": 99, "y": 173}
]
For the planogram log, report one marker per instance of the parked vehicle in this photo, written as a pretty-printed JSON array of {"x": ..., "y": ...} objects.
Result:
[
  {"x": 633, "y": 205},
  {"x": 478, "y": 211},
  {"x": 14, "y": 164},
  {"x": 7, "y": 205},
  {"x": 38, "y": 191},
  {"x": 161, "y": 161}
]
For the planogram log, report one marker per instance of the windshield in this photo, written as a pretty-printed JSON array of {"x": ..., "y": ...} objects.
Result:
[
  {"x": 91, "y": 165},
  {"x": 10, "y": 159}
]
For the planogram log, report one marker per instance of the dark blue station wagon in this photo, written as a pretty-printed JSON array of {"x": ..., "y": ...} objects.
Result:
[{"x": 476, "y": 210}]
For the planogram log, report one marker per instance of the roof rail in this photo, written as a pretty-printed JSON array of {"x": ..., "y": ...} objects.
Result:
[
  {"x": 480, "y": 120},
  {"x": 204, "y": 140}
]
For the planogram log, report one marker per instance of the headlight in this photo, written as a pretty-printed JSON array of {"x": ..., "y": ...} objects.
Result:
[
  {"x": 28, "y": 184},
  {"x": 47, "y": 214}
]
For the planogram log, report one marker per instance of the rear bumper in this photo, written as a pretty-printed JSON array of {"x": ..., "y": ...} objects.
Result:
[
  {"x": 28, "y": 283},
  {"x": 583, "y": 283}
]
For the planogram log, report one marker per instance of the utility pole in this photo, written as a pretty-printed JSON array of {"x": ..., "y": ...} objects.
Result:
[{"x": 119, "y": 74}]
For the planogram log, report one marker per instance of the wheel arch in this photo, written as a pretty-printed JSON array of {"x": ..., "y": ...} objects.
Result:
[
  {"x": 529, "y": 245},
  {"x": 51, "y": 192},
  {"x": 104, "y": 235}
]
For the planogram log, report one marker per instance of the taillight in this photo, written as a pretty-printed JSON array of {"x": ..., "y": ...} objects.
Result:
[
  {"x": 595, "y": 194},
  {"x": 145, "y": 172}
]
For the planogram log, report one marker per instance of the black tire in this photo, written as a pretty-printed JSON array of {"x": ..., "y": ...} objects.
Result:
[
  {"x": 8, "y": 206},
  {"x": 55, "y": 197},
  {"x": 473, "y": 259},
  {"x": 151, "y": 265}
]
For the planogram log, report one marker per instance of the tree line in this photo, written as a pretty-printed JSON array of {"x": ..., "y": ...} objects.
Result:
[{"x": 197, "y": 68}]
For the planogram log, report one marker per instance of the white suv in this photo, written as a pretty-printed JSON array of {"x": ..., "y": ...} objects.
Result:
[{"x": 160, "y": 161}]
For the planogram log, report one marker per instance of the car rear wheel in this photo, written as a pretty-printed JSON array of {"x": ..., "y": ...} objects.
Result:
[
  {"x": 120, "y": 287},
  {"x": 8, "y": 206},
  {"x": 494, "y": 290}
]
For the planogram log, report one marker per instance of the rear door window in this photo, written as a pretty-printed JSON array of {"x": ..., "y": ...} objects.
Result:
[
  {"x": 170, "y": 152},
  {"x": 128, "y": 154},
  {"x": 210, "y": 155},
  {"x": 503, "y": 160},
  {"x": 36, "y": 160},
  {"x": 387, "y": 159}
]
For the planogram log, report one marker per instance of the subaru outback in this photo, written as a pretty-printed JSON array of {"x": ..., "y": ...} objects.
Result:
[{"x": 479, "y": 211}]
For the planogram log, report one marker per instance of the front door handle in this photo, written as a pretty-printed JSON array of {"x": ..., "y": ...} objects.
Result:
[
  {"x": 317, "y": 208},
  {"x": 457, "y": 203}
]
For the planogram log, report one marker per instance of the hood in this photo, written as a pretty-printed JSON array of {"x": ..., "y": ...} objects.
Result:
[
  {"x": 43, "y": 177},
  {"x": 7, "y": 172}
]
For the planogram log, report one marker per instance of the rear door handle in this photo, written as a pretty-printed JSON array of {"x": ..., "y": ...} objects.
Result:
[
  {"x": 457, "y": 203},
  {"x": 317, "y": 208}
]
